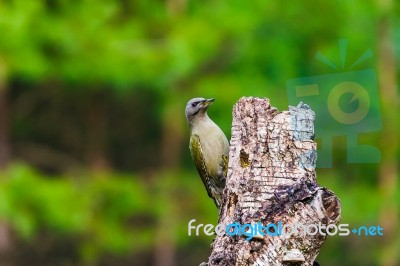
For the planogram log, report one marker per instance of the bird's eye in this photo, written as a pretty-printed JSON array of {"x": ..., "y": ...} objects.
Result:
[{"x": 194, "y": 104}]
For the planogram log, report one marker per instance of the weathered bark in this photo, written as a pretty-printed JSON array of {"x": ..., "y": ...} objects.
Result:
[{"x": 271, "y": 179}]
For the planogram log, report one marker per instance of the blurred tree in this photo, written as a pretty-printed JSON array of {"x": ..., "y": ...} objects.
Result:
[{"x": 389, "y": 168}]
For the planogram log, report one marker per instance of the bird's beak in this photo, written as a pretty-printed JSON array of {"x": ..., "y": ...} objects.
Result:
[{"x": 208, "y": 102}]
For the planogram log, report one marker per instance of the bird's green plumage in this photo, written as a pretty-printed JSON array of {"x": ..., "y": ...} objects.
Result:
[
  {"x": 213, "y": 181},
  {"x": 198, "y": 158}
]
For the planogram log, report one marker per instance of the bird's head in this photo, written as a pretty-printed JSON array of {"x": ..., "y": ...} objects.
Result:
[{"x": 197, "y": 107}]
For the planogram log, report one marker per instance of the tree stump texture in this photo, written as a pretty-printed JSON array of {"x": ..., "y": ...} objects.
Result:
[{"x": 271, "y": 179}]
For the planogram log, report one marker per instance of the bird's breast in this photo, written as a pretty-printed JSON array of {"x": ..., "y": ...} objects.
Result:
[{"x": 214, "y": 144}]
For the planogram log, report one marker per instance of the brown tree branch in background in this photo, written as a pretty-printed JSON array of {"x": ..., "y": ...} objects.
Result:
[
  {"x": 389, "y": 168},
  {"x": 272, "y": 179},
  {"x": 4, "y": 130},
  {"x": 46, "y": 157},
  {"x": 96, "y": 133},
  {"x": 5, "y": 233}
]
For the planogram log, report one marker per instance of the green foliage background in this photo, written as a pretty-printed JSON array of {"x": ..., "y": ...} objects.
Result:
[{"x": 97, "y": 170}]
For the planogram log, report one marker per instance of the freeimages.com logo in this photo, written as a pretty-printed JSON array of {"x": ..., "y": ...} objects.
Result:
[{"x": 346, "y": 104}]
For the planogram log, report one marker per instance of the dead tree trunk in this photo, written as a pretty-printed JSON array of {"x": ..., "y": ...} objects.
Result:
[{"x": 271, "y": 179}]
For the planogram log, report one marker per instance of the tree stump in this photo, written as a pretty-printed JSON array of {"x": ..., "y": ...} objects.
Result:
[{"x": 271, "y": 180}]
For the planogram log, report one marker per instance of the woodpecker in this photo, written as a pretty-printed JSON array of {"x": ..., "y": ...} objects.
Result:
[{"x": 209, "y": 148}]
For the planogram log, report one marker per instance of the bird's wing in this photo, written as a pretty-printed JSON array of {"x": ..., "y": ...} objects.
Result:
[{"x": 198, "y": 158}]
